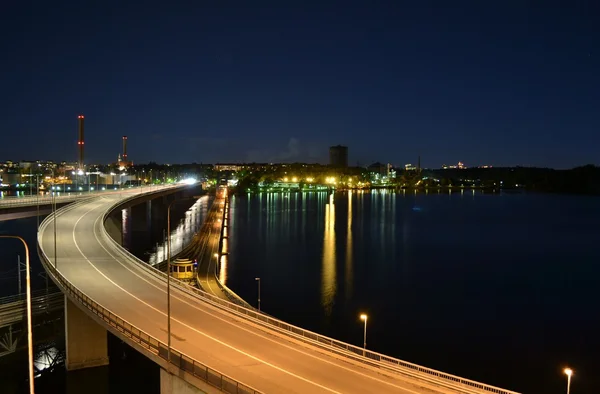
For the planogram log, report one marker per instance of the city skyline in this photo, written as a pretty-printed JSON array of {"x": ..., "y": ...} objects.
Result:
[{"x": 500, "y": 85}]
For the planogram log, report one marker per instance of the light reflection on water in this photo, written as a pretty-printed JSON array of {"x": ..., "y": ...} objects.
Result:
[
  {"x": 183, "y": 233},
  {"x": 223, "y": 270},
  {"x": 349, "y": 272},
  {"x": 45, "y": 358},
  {"x": 328, "y": 287}
]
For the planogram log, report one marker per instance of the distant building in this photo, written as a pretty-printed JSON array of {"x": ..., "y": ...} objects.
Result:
[
  {"x": 378, "y": 168},
  {"x": 338, "y": 156},
  {"x": 460, "y": 166},
  {"x": 227, "y": 167},
  {"x": 10, "y": 178}
]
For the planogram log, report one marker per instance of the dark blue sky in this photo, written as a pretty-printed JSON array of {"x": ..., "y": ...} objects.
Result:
[{"x": 502, "y": 83}]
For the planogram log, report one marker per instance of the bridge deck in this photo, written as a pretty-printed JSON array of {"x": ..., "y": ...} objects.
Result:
[{"x": 259, "y": 357}]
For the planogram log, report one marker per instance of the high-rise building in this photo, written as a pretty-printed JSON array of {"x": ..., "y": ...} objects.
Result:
[{"x": 338, "y": 156}]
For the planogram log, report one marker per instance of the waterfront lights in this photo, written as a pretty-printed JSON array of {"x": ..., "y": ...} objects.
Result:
[{"x": 568, "y": 372}]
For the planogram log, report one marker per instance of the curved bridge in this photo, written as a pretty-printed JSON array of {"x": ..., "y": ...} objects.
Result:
[{"x": 216, "y": 345}]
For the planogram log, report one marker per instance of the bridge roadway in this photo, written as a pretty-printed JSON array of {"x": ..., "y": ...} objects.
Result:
[{"x": 254, "y": 355}]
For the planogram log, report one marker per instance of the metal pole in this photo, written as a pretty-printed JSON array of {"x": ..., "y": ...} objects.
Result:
[
  {"x": 37, "y": 198},
  {"x": 29, "y": 333},
  {"x": 19, "y": 271},
  {"x": 54, "y": 206},
  {"x": 365, "y": 337},
  {"x": 169, "y": 284},
  {"x": 258, "y": 280},
  {"x": 569, "y": 384}
]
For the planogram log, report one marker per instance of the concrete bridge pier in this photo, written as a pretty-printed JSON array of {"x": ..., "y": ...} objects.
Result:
[{"x": 85, "y": 340}]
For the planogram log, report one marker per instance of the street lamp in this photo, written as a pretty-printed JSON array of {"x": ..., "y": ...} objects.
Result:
[
  {"x": 28, "y": 289},
  {"x": 364, "y": 318},
  {"x": 258, "y": 280},
  {"x": 568, "y": 372},
  {"x": 53, "y": 202},
  {"x": 37, "y": 194}
]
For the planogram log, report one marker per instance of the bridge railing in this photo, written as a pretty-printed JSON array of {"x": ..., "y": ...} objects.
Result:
[
  {"x": 62, "y": 197},
  {"x": 184, "y": 362},
  {"x": 42, "y": 200},
  {"x": 15, "y": 311},
  {"x": 331, "y": 345}
]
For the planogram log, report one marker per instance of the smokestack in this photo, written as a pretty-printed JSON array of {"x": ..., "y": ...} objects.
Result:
[
  {"x": 125, "y": 148},
  {"x": 80, "y": 142}
]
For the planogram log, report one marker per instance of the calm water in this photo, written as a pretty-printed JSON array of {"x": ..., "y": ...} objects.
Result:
[{"x": 499, "y": 288}]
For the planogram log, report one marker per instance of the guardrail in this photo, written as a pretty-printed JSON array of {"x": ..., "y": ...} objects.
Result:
[
  {"x": 148, "y": 342},
  {"x": 43, "y": 200},
  {"x": 23, "y": 296},
  {"x": 63, "y": 197},
  {"x": 340, "y": 348},
  {"x": 15, "y": 311}
]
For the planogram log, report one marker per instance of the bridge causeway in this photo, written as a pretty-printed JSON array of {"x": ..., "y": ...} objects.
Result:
[{"x": 217, "y": 345}]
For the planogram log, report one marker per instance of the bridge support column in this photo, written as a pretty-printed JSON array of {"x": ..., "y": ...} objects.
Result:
[
  {"x": 173, "y": 384},
  {"x": 85, "y": 340}
]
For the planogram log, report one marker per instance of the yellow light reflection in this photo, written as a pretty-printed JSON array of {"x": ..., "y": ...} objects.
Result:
[
  {"x": 349, "y": 268},
  {"x": 328, "y": 286},
  {"x": 223, "y": 270},
  {"x": 225, "y": 246}
]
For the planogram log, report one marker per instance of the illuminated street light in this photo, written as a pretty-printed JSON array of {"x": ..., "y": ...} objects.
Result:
[
  {"x": 568, "y": 372},
  {"x": 364, "y": 318}
]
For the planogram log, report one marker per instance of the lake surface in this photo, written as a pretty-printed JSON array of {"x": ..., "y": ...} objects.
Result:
[{"x": 500, "y": 288}]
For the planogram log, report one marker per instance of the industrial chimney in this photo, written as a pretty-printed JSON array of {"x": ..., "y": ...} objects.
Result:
[
  {"x": 80, "y": 142},
  {"x": 125, "y": 148}
]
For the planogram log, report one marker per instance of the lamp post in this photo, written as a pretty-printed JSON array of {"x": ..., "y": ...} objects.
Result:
[
  {"x": 54, "y": 222},
  {"x": 258, "y": 280},
  {"x": 568, "y": 372},
  {"x": 37, "y": 194},
  {"x": 28, "y": 289},
  {"x": 364, "y": 318}
]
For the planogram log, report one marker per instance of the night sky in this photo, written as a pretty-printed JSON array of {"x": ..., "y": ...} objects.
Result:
[{"x": 500, "y": 83}]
